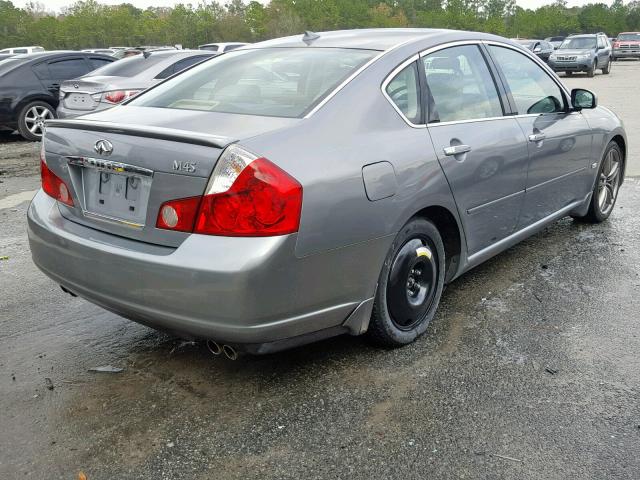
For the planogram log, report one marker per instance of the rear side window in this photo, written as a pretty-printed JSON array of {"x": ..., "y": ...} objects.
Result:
[
  {"x": 20, "y": 50},
  {"x": 181, "y": 65},
  {"x": 41, "y": 70},
  {"x": 99, "y": 62},
  {"x": 282, "y": 82},
  {"x": 403, "y": 90},
  {"x": 213, "y": 48},
  {"x": 531, "y": 87},
  {"x": 68, "y": 68},
  {"x": 460, "y": 85}
]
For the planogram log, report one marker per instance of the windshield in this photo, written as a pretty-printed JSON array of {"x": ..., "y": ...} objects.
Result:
[
  {"x": 626, "y": 37},
  {"x": 128, "y": 67},
  {"x": 281, "y": 82},
  {"x": 579, "y": 43}
]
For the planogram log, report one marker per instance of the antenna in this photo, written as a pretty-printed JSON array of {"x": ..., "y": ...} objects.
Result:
[{"x": 309, "y": 37}]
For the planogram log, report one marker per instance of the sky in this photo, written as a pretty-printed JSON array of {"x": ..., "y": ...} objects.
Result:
[{"x": 56, "y": 5}]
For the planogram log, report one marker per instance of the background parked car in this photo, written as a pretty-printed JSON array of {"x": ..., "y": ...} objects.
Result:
[
  {"x": 113, "y": 84},
  {"x": 627, "y": 45},
  {"x": 582, "y": 53},
  {"x": 541, "y": 48},
  {"x": 22, "y": 50},
  {"x": 105, "y": 51},
  {"x": 29, "y": 86},
  {"x": 555, "y": 41},
  {"x": 221, "y": 47}
]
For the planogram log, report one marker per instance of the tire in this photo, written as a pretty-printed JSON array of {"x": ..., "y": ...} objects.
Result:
[
  {"x": 606, "y": 182},
  {"x": 592, "y": 71},
  {"x": 31, "y": 118},
  {"x": 410, "y": 285},
  {"x": 606, "y": 70}
]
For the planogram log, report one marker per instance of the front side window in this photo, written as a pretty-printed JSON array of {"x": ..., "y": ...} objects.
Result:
[
  {"x": 531, "y": 87},
  {"x": 404, "y": 92},
  {"x": 601, "y": 42},
  {"x": 281, "y": 82},
  {"x": 460, "y": 85}
]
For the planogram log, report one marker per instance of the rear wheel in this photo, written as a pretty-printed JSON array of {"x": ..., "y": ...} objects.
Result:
[
  {"x": 31, "y": 119},
  {"x": 605, "y": 191},
  {"x": 410, "y": 285}
]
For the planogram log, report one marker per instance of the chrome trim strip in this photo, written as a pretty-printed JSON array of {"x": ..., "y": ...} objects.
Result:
[
  {"x": 474, "y": 210},
  {"x": 555, "y": 179},
  {"x": 108, "y": 166},
  {"x": 117, "y": 221},
  {"x": 488, "y": 252},
  {"x": 472, "y": 120},
  {"x": 389, "y": 78}
]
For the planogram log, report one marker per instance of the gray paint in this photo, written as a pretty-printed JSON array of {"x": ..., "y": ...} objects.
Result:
[{"x": 253, "y": 290}]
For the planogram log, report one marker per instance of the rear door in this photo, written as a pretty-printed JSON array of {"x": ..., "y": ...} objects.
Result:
[
  {"x": 66, "y": 68},
  {"x": 482, "y": 152},
  {"x": 559, "y": 140}
]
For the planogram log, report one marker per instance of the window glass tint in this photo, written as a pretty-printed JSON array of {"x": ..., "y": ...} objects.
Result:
[
  {"x": 129, "y": 67},
  {"x": 41, "y": 70},
  {"x": 284, "y": 82},
  {"x": 601, "y": 43},
  {"x": 99, "y": 62},
  {"x": 66, "y": 69},
  {"x": 579, "y": 43},
  {"x": 404, "y": 91},
  {"x": 532, "y": 88},
  {"x": 460, "y": 86},
  {"x": 20, "y": 50},
  {"x": 213, "y": 48},
  {"x": 181, "y": 65}
]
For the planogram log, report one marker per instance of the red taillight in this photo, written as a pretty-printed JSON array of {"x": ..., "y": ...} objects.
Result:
[
  {"x": 246, "y": 197},
  {"x": 53, "y": 185},
  {"x": 264, "y": 200},
  {"x": 179, "y": 214},
  {"x": 119, "y": 96}
]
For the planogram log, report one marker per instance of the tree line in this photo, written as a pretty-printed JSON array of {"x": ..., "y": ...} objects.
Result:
[{"x": 87, "y": 23}]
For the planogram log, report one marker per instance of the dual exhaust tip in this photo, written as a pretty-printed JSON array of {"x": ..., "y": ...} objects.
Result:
[{"x": 217, "y": 349}]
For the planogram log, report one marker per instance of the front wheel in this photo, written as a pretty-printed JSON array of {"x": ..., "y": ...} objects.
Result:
[
  {"x": 592, "y": 71},
  {"x": 409, "y": 286},
  {"x": 607, "y": 68},
  {"x": 605, "y": 191}
]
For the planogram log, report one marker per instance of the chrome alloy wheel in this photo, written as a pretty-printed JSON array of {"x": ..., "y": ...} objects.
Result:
[
  {"x": 35, "y": 118},
  {"x": 609, "y": 181}
]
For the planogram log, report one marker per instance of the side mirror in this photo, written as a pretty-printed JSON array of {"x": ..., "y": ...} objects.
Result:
[
  {"x": 581, "y": 98},
  {"x": 537, "y": 49}
]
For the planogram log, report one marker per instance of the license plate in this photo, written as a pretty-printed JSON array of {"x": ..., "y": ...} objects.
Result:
[
  {"x": 79, "y": 101},
  {"x": 114, "y": 191}
]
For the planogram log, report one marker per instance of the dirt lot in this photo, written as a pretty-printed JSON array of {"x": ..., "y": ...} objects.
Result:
[{"x": 529, "y": 371}]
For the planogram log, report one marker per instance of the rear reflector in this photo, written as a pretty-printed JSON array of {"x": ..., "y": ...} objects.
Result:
[
  {"x": 246, "y": 197},
  {"x": 52, "y": 184},
  {"x": 179, "y": 215}
]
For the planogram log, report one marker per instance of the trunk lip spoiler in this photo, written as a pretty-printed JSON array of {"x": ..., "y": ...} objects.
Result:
[{"x": 161, "y": 133}]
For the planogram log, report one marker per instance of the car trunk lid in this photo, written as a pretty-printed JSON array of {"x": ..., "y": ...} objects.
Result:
[{"x": 121, "y": 172}]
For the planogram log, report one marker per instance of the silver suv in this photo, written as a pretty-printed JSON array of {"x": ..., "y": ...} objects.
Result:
[{"x": 583, "y": 53}]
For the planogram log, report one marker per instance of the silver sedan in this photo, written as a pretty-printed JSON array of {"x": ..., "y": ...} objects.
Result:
[{"x": 320, "y": 184}]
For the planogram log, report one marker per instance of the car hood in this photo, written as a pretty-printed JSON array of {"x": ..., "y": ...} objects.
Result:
[{"x": 572, "y": 51}]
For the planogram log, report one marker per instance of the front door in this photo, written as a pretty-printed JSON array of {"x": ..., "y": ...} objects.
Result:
[
  {"x": 559, "y": 140},
  {"x": 482, "y": 153}
]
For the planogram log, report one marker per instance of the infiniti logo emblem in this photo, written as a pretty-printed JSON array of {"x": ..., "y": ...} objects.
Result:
[{"x": 103, "y": 147}]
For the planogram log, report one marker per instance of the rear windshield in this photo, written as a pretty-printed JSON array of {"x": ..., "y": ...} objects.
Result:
[
  {"x": 280, "y": 82},
  {"x": 8, "y": 64},
  {"x": 128, "y": 67},
  {"x": 626, "y": 37},
  {"x": 579, "y": 43}
]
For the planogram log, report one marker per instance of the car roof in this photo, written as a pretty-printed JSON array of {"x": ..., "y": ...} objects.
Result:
[
  {"x": 381, "y": 39},
  {"x": 54, "y": 53}
]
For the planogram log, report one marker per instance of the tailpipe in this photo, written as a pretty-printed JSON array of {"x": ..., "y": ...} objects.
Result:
[
  {"x": 214, "y": 347},
  {"x": 230, "y": 352}
]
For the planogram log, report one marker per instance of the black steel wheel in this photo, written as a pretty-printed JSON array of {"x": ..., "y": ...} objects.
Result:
[{"x": 410, "y": 285}]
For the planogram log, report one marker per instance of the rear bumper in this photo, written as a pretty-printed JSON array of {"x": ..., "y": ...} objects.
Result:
[
  {"x": 233, "y": 290},
  {"x": 63, "y": 112}
]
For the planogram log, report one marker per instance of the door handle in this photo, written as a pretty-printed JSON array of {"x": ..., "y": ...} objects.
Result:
[
  {"x": 537, "y": 137},
  {"x": 456, "y": 150}
]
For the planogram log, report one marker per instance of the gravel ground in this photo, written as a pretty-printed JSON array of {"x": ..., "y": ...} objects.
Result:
[{"x": 529, "y": 371}]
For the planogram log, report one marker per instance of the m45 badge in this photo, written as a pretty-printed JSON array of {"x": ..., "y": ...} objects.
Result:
[{"x": 188, "y": 167}]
